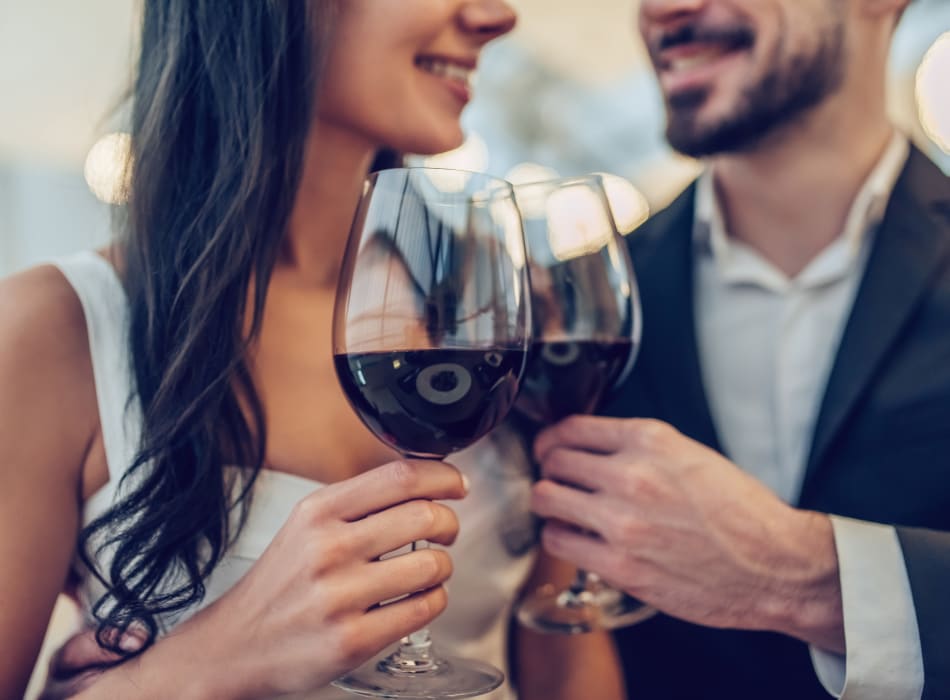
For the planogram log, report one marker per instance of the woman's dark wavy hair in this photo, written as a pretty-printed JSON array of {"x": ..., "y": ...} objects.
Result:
[{"x": 222, "y": 105}]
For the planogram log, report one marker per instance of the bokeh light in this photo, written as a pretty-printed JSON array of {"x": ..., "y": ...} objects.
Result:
[
  {"x": 106, "y": 167},
  {"x": 628, "y": 205},
  {"x": 933, "y": 93},
  {"x": 578, "y": 222},
  {"x": 471, "y": 155},
  {"x": 523, "y": 173}
]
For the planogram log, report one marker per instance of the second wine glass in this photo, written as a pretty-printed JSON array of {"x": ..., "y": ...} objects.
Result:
[
  {"x": 430, "y": 333},
  {"x": 586, "y": 316}
]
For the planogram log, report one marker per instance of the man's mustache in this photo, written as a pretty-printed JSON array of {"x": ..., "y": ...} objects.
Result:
[{"x": 731, "y": 37}]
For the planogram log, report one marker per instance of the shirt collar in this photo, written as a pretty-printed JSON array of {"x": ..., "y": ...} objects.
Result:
[{"x": 738, "y": 263}]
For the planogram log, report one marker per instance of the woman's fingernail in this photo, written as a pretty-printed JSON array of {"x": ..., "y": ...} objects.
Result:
[
  {"x": 466, "y": 484},
  {"x": 130, "y": 643}
]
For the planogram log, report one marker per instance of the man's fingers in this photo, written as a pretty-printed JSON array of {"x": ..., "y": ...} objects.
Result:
[
  {"x": 591, "y": 433},
  {"x": 395, "y": 527},
  {"x": 582, "y": 469},
  {"x": 585, "y": 551},
  {"x": 385, "y": 486},
  {"x": 577, "y": 508}
]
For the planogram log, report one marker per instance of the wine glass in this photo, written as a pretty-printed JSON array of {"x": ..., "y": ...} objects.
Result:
[
  {"x": 430, "y": 335},
  {"x": 586, "y": 317}
]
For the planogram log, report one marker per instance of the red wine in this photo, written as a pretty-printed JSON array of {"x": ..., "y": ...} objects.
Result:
[
  {"x": 567, "y": 377},
  {"x": 430, "y": 403}
]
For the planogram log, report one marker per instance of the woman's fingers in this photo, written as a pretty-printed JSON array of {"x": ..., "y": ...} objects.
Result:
[
  {"x": 388, "y": 485},
  {"x": 381, "y": 625},
  {"x": 396, "y": 527},
  {"x": 398, "y": 576},
  {"x": 61, "y": 689},
  {"x": 80, "y": 652},
  {"x": 80, "y": 661}
]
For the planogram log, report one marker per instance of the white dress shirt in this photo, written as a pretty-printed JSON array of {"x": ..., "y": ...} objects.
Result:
[{"x": 767, "y": 343}]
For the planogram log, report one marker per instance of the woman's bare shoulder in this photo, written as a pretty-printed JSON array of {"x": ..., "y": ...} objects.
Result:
[
  {"x": 45, "y": 364},
  {"x": 40, "y": 315}
]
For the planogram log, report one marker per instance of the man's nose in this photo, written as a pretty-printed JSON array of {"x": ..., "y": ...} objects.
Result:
[{"x": 663, "y": 11}]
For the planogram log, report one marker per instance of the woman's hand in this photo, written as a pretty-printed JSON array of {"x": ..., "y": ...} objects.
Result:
[
  {"x": 309, "y": 609},
  {"x": 80, "y": 661}
]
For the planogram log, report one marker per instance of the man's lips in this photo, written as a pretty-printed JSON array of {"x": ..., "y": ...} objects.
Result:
[
  {"x": 689, "y": 56},
  {"x": 692, "y": 55},
  {"x": 739, "y": 36}
]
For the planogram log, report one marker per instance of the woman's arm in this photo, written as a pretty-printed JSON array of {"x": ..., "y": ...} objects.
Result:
[
  {"x": 563, "y": 666},
  {"x": 48, "y": 417},
  {"x": 309, "y": 609}
]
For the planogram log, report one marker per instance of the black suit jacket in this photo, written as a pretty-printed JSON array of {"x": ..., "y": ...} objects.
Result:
[{"x": 880, "y": 450}]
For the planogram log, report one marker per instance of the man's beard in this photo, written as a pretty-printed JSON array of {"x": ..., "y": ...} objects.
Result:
[{"x": 787, "y": 91}]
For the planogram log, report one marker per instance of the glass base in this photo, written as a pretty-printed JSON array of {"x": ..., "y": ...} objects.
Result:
[
  {"x": 572, "y": 611},
  {"x": 428, "y": 679}
]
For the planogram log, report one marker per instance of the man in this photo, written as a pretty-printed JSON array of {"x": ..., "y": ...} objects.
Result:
[{"x": 796, "y": 308}]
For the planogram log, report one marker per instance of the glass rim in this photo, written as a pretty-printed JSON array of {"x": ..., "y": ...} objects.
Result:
[
  {"x": 500, "y": 182},
  {"x": 562, "y": 181}
]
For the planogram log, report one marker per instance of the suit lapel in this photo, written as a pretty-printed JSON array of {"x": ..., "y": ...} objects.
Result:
[
  {"x": 910, "y": 245},
  {"x": 668, "y": 364}
]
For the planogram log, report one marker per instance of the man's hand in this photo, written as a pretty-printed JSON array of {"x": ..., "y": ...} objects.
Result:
[{"x": 680, "y": 527}]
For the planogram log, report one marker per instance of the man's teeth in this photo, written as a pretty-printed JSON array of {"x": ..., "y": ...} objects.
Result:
[
  {"x": 444, "y": 69},
  {"x": 698, "y": 59}
]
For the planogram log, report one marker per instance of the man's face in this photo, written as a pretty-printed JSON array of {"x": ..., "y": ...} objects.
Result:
[{"x": 733, "y": 71}]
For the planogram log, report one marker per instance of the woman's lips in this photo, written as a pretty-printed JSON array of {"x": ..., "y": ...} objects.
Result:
[{"x": 455, "y": 74}]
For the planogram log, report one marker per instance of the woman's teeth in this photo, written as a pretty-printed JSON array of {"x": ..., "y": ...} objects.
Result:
[{"x": 444, "y": 69}]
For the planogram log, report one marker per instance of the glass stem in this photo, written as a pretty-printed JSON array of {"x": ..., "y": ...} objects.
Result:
[
  {"x": 579, "y": 585},
  {"x": 414, "y": 654}
]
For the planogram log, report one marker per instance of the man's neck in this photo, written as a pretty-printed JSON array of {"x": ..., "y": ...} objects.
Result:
[{"x": 790, "y": 198}]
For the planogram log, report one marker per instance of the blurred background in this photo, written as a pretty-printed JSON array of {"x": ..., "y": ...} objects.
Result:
[{"x": 569, "y": 92}]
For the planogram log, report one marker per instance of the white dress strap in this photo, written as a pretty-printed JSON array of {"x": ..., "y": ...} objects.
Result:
[{"x": 106, "y": 308}]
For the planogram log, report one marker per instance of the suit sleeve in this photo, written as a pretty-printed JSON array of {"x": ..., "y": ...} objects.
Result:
[{"x": 927, "y": 557}]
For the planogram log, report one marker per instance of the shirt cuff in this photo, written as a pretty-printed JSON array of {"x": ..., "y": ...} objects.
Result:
[{"x": 883, "y": 659}]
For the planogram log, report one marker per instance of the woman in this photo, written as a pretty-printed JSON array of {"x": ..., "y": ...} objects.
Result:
[{"x": 138, "y": 379}]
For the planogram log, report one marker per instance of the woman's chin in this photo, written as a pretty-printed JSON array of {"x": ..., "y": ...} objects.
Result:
[{"x": 435, "y": 142}]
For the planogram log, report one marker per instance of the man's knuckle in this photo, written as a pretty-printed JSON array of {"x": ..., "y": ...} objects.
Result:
[
  {"x": 627, "y": 527},
  {"x": 571, "y": 425},
  {"x": 645, "y": 433},
  {"x": 558, "y": 461},
  {"x": 641, "y": 485}
]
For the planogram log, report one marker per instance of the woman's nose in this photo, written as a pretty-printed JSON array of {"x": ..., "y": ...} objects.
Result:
[{"x": 488, "y": 19}]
